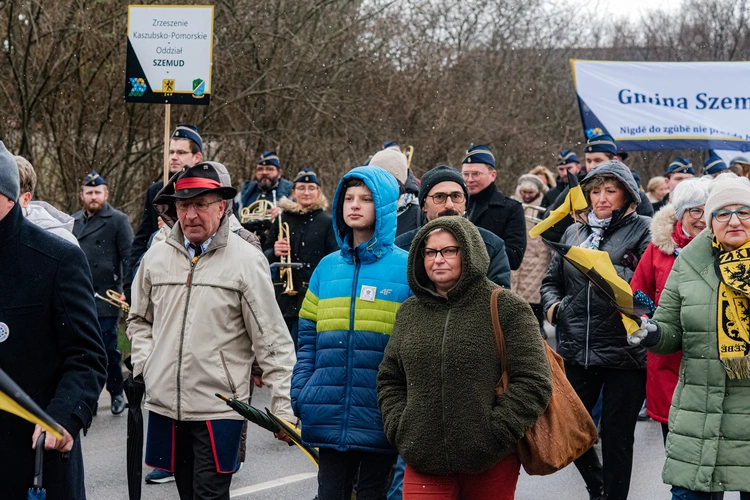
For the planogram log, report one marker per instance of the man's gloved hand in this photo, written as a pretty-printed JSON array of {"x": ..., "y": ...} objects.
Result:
[{"x": 647, "y": 326}]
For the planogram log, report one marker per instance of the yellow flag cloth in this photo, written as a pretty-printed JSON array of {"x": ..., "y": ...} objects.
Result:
[
  {"x": 598, "y": 268},
  {"x": 575, "y": 201},
  {"x": 14, "y": 400}
]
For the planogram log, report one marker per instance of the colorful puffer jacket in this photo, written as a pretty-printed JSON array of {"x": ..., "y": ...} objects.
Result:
[
  {"x": 345, "y": 323},
  {"x": 709, "y": 423}
]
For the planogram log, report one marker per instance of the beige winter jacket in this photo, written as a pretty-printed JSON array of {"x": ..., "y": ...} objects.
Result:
[
  {"x": 527, "y": 280},
  {"x": 196, "y": 329}
]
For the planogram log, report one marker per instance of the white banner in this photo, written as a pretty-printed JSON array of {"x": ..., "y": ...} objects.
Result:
[
  {"x": 169, "y": 53},
  {"x": 666, "y": 105}
]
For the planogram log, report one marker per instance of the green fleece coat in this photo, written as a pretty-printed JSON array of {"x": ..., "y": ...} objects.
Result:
[
  {"x": 436, "y": 384},
  {"x": 708, "y": 447}
]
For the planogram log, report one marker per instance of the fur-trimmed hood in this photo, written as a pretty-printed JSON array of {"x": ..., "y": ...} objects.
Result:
[
  {"x": 662, "y": 228},
  {"x": 291, "y": 206}
]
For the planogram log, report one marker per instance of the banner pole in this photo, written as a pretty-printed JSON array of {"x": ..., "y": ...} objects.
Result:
[{"x": 166, "y": 141}]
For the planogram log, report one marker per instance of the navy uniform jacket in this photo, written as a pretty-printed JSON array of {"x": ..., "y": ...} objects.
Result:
[
  {"x": 53, "y": 350},
  {"x": 106, "y": 240},
  {"x": 495, "y": 212},
  {"x": 252, "y": 193}
]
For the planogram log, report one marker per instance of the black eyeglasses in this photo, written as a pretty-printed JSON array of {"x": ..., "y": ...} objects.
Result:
[
  {"x": 446, "y": 252},
  {"x": 441, "y": 198},
  {"x": 726, "y": 215},
  {"x": 696, "y": 213},
  {"x": 199, "y": 206}
]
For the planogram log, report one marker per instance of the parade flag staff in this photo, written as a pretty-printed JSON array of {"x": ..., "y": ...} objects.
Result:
[{"x": 187, "y": 353}]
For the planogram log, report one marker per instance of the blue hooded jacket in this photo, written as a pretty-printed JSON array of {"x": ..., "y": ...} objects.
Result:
[{"x": 345, "y": 323}]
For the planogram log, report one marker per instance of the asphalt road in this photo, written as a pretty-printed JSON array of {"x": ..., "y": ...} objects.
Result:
[{"x": 276, "y": 471}]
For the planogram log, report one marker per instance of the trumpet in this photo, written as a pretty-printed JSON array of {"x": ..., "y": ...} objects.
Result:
[
  {"x": 285, "y": 271},
  {"x": 531, "y": 218},
  {"x": 113, "y": 297},
  {"x": 409, "y": 153},
  {"x": 256, "y": 212}
]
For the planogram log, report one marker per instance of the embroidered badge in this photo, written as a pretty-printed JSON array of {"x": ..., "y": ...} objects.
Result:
[
  {"x": 368, "y": 293},
  {"x": 4, "y": 332}
]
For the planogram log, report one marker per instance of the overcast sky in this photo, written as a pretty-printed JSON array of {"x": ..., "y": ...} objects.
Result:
[{"x": 630, "y": 8}]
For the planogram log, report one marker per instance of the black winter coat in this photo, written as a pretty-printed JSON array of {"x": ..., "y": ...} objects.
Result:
[
  {"x": 53, "y": 350},
  {"x": 106, "y": 239},
  {"x": 503, "y": 216},
  {"x": 312, "y": 239},
  {"x": 148, "y": 226},
  {"x": 591, "y": 329}
]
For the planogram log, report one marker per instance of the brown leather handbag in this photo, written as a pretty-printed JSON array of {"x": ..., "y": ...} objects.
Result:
[{"x": 565, "y": 431}]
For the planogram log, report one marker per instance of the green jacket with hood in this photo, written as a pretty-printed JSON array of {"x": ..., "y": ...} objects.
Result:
[
  {"x": 708, "y": 446},
  {"x": 436, "y": 383}
]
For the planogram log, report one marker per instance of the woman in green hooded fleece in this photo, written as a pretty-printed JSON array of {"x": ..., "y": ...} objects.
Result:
[
  {"x": 436, "y": 384},
  {"x": 704, "y": 311}
]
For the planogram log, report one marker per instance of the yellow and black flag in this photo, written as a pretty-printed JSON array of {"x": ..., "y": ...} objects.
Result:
[
  {"x": 14, "y": 400},
  {"x": 575, "y": 201},
  {"x": 598, "y": 269}
]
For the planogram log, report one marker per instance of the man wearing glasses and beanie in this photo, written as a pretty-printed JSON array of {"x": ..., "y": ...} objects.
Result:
[
  {"x": 199, "y": 317},
  {"x": 444, "y": 192}
]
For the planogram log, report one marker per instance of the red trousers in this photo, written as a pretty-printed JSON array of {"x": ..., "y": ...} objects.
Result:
[{"x": 496, "y": 483}]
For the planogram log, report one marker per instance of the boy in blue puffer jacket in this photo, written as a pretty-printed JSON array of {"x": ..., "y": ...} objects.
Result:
[{"x": 345, "y": 323}]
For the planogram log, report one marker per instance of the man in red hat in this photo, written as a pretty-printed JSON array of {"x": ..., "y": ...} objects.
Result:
[{"x": 199, "y": 317}]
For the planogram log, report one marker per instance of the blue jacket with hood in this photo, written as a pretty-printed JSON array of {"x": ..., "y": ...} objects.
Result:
[{"x": 345, "y": 323}]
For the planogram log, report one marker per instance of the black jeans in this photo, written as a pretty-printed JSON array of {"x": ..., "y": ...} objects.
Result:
[
  {"x": 195, "y": 469},
  {"x": 623, "y": 392},
  {"x": 337, "y": 470},
  {"x": 108, "y": 325}
]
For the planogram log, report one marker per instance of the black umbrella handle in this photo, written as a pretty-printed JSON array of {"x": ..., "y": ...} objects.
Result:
[{"x": 39, "y": 460}]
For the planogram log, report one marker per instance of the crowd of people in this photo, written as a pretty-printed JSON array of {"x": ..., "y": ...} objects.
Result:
[{"x": 382, "y": 332}]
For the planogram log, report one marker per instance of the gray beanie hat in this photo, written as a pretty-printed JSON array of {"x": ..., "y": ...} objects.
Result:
[
  {"x": 441, "y": 173},
  {"x": 393, "y": 161},
  {"x": 10, "y": 185},
  {"x": 688, "y": 194},
  {"x": 727, "y": 189}
]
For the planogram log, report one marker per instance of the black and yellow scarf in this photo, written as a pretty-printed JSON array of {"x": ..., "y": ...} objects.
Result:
[{"x": 733, "y": 318}]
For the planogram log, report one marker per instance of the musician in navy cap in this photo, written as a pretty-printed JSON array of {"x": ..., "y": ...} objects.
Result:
[
  {"x": 105, "y": 237},
  {"x": 488, "y": 207},
  {"x": 714, "y": 166},
  {"x": 567, "y": 161},
  {"x": 268, "y": 181}
]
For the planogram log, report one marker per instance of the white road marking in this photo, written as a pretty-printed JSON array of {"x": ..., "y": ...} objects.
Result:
[{"x": 271, "y": 484}]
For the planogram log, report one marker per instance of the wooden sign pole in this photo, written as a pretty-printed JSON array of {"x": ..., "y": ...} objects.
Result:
[{"x": 167, "y": 130}]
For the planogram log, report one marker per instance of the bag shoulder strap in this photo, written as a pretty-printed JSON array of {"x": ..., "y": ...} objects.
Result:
[{"x": 499, "y": 337}]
